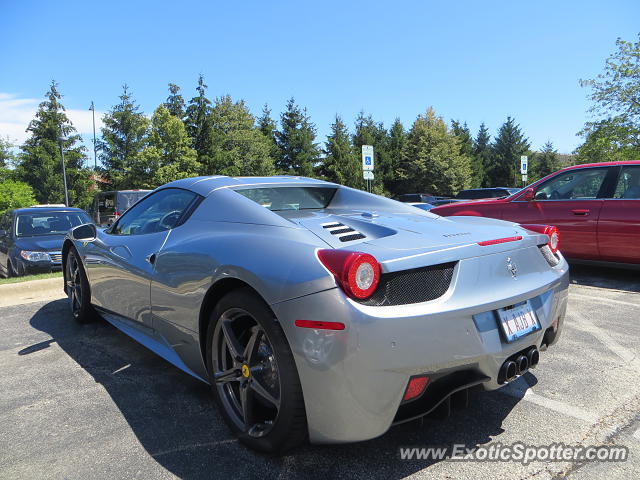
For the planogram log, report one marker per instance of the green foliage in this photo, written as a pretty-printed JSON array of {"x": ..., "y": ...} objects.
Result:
[
  {"x": 482, "y": 155},
  {"x": 175, "y": 102},
  {"x": 6, "y": 155},
  {"x": 396, "y": 144},
  {"x": 237, "y": 146},
  {"x": 509, "y": 145},
  {"x": 15, "y": 195},
  {"x": 267, "y": 127},
  {"x": 296, "y": 142},
  {"x": 462, "y": 132},
  {"x": 123, "y": 138},
  {"x": 39, "y": 163},
  {"x": 616, "y": 92},
  {"x": 168, "y": 154},
  {"x": 198, "y": 123},
  {"x": 432, "y": 161},
  {"x": 368, "y": 132},
  {"x": 545, "y": 162},
  {"x": 341, "y": 164},
  {"x": 616, "y": 96},
  {"x": 608, "y": 140}
]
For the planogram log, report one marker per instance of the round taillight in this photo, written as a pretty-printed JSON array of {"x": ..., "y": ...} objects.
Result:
[
  {"x": 554, "y": 239},
  {"x": 357, "y": 273}
]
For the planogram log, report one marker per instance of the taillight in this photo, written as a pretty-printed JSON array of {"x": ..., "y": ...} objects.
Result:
[
  {"x": 415, "y": 388},
  {"x": 357, "y": 273},
  {"x": 550, "y": 231}
]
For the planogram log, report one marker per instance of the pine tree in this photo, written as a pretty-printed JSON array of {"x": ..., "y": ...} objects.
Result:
[
  {"x": 341, "y": 164},
  {"x": 509, "y": 145},
  {"x": 168, "y": 155},
  {"x": 397, "y": 142},
  {"x": 198, "y": 123},
  {"x": 296, "y": 141},
  {"x": 237, "y": 146},
  {"x": 432, "y": 161},
  {"x": 267, "y": 127},
  {"x": 123, "y": 138},
  {"x": 462, "y": 132},
  {"x": 175, "y": 102},
  {"x": 482, "y": 153},
  {"x": 39, "y": 163},
  {"x": 546, "y": 161}
]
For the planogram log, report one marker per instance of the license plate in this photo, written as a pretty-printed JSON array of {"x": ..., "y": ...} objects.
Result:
[{"x": 518, "y": 321}]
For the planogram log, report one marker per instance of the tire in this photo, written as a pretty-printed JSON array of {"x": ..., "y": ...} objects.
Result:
[
  {"x": 264, "y": 370},
  {"x": 78, "y": 291},
  {"x": 10, "y": 271}
]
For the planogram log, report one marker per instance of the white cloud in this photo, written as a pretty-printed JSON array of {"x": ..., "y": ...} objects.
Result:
[{"x": 16, "y": 113}]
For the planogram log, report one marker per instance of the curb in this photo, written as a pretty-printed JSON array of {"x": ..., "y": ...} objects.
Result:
[{"x": 32, "y": 291}]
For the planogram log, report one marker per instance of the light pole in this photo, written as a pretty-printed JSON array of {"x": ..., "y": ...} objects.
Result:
[
  {"x": 95, "y": 149},
  {"x": 64, "y": 170}
]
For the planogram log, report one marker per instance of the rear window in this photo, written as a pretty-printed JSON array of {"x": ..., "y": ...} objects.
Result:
[
  {"x": 410, "y": 197},
  {"x": 278, "y": 199},
  {"x": 473, "y": 194},
  {"x": 48, "y": 223},
  {"x": 106, "y": 202}
]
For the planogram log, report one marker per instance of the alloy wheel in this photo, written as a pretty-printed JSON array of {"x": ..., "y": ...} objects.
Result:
[{"x": 245, "y": 372}]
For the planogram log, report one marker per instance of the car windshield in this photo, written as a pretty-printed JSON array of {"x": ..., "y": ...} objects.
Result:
[
  {"x": 290, "y": 198},
  {"x": 48, "y": 223}
]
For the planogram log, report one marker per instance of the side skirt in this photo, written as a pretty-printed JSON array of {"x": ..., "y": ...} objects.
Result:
[{"x": 149, "y": 338}]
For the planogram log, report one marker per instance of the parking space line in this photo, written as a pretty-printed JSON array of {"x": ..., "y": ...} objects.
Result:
[
  {"x": 637, "y": 434},
  {"x": 557, "y": 406},
  {"x": 622, "y": 352},
  {"x": 604, "y": 299}
]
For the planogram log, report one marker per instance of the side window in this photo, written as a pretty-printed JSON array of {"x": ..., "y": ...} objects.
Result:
[
  {"x": 628, "y": 185},
  {"x": 158, "y": 212},
  {"x": 4, "y": 223},
  {"x": 581, "y": 184}
]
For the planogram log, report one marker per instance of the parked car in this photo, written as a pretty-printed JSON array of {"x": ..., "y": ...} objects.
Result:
[
  {"x": 319, "y": 311},
  {"x": 596, "y": 208},
  {"x": 445, "y": 201},
  {"x": 482, "y": 193},
  {"x": 418, "y": 198},
  {"x": 421, "y": 205},
  {"x": 108, "y": 206},
  {"x": 31, "y": 238}
]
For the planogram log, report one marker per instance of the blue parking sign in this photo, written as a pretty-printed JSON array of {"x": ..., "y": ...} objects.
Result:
[{"x": 367, "y": 160}]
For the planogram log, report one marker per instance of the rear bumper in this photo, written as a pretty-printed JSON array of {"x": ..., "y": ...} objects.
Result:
[{"x": 354, "y": 380}]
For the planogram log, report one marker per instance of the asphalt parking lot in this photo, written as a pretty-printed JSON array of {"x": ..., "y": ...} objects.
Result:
[{"x": 88, "y": 402}]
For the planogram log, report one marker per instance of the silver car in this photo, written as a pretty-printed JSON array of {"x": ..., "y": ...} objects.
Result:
[{"x": 319, "y": 311}]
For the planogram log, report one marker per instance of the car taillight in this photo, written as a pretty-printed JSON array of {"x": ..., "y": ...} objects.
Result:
[
  {"x": 415, "y": 388},
  {"x": 357, "y": 273},
  {"x": 550, "y": 231}
]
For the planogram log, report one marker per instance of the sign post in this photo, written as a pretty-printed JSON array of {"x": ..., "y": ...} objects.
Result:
[
  {"x": 524, "y": 167},
  {"x": 367, "y": 164}
]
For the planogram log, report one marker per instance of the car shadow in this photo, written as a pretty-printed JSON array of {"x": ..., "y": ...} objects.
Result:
[
  {"x": 176, "y": 421},
  {"x": 605, "y": 277}
]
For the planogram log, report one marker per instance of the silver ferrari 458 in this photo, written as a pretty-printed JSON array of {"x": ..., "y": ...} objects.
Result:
[{"x": 316, "y": 311}]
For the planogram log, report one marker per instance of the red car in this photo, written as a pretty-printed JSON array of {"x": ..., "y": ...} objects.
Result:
[{"x": 596, "y": 208}]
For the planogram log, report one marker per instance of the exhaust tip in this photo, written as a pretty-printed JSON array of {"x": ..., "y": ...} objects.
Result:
[
  {"x": 522, "y": 364},
  {"x": 508, "y": 371},
  {"x": 533, "y": 355}
]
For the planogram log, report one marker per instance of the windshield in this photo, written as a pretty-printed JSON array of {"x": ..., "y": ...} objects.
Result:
[
  {"x": 49, "y": 223},
  {"x": 290, "y": 198}
]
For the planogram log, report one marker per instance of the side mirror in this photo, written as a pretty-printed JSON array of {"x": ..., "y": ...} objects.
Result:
[
  {"x": 84, "y": 233},
  {"x": 527, "y": 195}
]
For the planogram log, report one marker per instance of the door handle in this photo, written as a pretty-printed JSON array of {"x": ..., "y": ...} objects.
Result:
[
  {"x": 151, "y": 258},
  {"x": 580, "y": 211}
]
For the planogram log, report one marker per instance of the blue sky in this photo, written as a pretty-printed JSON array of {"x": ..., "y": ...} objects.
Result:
[{"x": 472, "y": 61}]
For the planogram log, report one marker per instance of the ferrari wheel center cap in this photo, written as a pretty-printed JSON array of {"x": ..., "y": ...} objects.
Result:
[{"x": 245, "y": 370}]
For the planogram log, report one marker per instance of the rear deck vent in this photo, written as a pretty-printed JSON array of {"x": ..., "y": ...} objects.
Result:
[{"x": 344, "y": 233}]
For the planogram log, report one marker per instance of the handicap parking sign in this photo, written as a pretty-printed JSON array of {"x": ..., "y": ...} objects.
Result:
[{"x": 367, "y": 160}]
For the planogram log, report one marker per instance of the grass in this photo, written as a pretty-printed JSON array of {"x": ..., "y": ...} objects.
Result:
[{"x": 28, "y": 278}]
